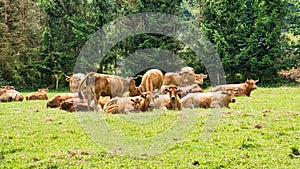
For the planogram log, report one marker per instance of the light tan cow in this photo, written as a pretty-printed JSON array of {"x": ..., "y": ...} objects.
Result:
[
  {"x": 119, "y": 105},
  {"x": 243, "y": 89},
  {"x": 41, "y": 94},
  {"x": 217, "y": 99}
]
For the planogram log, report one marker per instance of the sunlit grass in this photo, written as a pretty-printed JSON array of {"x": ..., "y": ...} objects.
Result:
[{"x": 256, "y": 132}]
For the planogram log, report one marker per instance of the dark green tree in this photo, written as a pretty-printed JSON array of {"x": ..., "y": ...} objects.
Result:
[{"x": 246, "y": 34}]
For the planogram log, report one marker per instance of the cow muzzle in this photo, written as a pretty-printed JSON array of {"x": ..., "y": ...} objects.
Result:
[
  {"x": 232, "y": 100},
  {"x": 173, "y": 98}
]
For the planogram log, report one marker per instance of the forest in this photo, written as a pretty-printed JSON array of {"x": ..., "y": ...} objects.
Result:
[{"x": 41, "y": 39}]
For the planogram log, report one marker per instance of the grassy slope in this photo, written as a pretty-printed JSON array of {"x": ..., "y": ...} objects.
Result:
[{"x": 34, "y": 136}]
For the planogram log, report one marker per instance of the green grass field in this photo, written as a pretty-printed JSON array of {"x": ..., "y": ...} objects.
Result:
[{"x": 261, "y": 131}]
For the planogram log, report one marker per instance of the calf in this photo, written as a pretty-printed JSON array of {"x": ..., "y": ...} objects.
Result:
[
  {"x": 243, "y": 89},
  {"x": 123, "y": 105},
  {"x": 41, "y": 94},
  {"x": 217, "y": 99}
]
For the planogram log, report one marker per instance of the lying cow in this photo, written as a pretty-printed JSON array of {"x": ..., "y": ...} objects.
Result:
[
  {"x": 103, "y": 85},
  {"x": 169, "y": 100},
  {"x": 244, "y": 89},
  {"x": 74, "y": 81},
  {"x": 56, "y": 100},
  {"x": 76, "y": 104},
  {"x": 7, "y": 87},
  {"x": 7, "y": 95},
  {"x": 103, "y": 100},
  {"x": 206, "y": 100},
  {"x": 41, "y": 94},
  {"x": 123, "y": 105}
]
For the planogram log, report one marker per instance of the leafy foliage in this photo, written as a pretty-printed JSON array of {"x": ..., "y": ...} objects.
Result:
[{"x": 41, "y": 40}]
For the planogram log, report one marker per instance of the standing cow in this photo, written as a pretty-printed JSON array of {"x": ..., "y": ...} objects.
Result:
[
  {"x": 103, "y": 85},
  {"x": 151, "y": 80},
  {"x": 185, "y": 77}
]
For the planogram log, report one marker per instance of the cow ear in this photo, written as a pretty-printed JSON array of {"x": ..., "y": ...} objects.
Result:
[
  {"x": 179, "y": 90},
  {"x": 204, "y": 76},
  {"x": 165, "y": 90},
  {"x": 68, "y": 79}
]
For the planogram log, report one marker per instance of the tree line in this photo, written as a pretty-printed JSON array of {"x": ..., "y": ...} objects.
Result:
[{"x": 41, "y": 39}]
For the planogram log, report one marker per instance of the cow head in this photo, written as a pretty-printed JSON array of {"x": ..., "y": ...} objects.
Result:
[
  {"x": 43, "y": 90},
  {"x": 137, "y": 103},
  {"x": 187, "y": 74},
  {"x": 74, "y": 81},
  {"x": 133, "y": 90},
  {"x": 199, "y": 78},
  {"x": 172, "y": 91},
  {"x": 149, "y": 100},
  {"x": 250, "y": 85},
  {"x": 2, "y": 91},
  {"x": 230, "y": 93}
]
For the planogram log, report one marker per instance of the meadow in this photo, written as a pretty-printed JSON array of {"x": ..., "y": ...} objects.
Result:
[{"x": 261, "y": 131}]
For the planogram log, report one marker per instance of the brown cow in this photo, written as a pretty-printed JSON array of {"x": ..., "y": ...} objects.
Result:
[
  {"x": 185, "y": 77},
  {"x": 74, "y": 81},
  {"x": 103, "y": 85},
  {"x": 57, "y": 99},
  {"x": 7, "y": 87},
  {"x": 7, "y": 95},
  {"x": 134, "y": 90},
  {"x": 169, "y": 100},
  {"x": 152, "y": 79},
  {"x": 41, "y": 94},
  {"x": 199, "y": 78},
  {"x": 244, "y": 89},
  {"x": 217, "y": 99},
  {"x": 123, "y": 105},
  {"x": 75, "y": 104},
  {"x": 103, "y": 100}
]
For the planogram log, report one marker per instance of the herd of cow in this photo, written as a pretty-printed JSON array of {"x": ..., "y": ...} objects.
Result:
[{"x": 173, "y": 91}]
